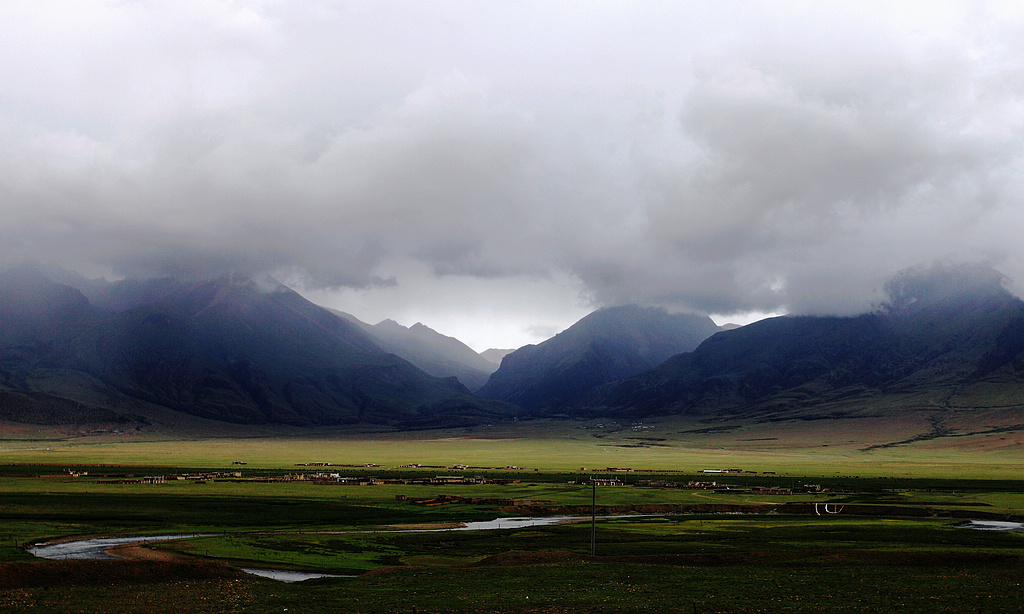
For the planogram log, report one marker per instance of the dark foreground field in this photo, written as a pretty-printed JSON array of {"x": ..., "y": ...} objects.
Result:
[
  {"x": 895, "y": 546},
  {"x": 551, "y": 582}
]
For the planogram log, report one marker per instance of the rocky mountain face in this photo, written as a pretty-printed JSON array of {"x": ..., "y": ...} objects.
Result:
[
  {"x": 224, "y": 349},
  {"x": 607, "y": 345},
  {"x": 950, "y": 337}
]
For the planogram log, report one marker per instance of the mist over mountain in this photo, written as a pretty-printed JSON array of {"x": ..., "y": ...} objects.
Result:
[
  {"x": 33, "y": 307},
  {"x": 464, "y": 164},
  {"x": 950, "y": 337},
  {"x": 605, "y": 346},
  {"x": 225, "y": 349},
  {"x": 499, "y": 171},
  {"x": 947, "y": 344},
  {"x": 434, "y": 353},
  {"x": 495, "y": 355}
]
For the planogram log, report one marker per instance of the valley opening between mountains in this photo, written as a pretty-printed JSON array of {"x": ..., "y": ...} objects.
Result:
[{"x": 798, "y": 463}]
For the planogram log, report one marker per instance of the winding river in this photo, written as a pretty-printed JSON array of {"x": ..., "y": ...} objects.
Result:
[{"x": 97, "y": 548}]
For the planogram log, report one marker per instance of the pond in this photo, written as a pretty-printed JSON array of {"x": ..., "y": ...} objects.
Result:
[{"x": 282, "y": 575}]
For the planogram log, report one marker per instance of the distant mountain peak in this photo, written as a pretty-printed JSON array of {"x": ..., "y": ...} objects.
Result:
[
  {"x": 267, "y": 284},
  {"x": 390, "y": 325},
  {"x": 494, "y": 355},
  {"x": 609, "y": 344},
  {"x": 918, "y": 287},
  {"x": 431, "y": 351}
]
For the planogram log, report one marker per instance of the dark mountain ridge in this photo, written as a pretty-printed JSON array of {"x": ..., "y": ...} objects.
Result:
[
  {"x": 949, "y": 336},
  {"x": 224, "y": 349},
  {"x": 948, "y": 342},
  {"x": 607, "y": 345}
]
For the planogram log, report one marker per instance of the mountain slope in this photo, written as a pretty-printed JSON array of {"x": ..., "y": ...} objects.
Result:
[
  {"x": 434, "y": 353},
  {"x": 605, "y": 346},
  {"x": 32, "y": 307},
  {"x": 223, "y": 349},
  {"x": 950, "y": 337}
]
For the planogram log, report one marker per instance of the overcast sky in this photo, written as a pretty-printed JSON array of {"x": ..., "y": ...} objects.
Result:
[{"x": 496, "y": 170}]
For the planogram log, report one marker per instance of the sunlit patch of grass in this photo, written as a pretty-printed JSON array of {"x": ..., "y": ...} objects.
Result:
[{"x": 840, "y": 447}]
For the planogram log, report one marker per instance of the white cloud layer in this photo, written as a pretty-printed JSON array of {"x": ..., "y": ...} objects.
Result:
[{"x": 468, "y": 164}]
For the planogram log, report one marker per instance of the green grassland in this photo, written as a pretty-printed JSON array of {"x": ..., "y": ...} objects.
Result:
[
  {"x": 679, "y": 539},
  {"x": 896, "y": 545},
  {"x": 881, "y": 447}
]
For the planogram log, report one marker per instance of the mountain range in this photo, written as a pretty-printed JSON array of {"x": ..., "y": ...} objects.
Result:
[
  {"x": 434, "y": 353},
  {"x": 948, "y": 343},
  {"x": 224, "y": 349}
]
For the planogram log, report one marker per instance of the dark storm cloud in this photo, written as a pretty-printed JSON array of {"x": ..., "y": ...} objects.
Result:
[
  {"x": 813, "y": 177},
  {"x": 728, "y": 157}
]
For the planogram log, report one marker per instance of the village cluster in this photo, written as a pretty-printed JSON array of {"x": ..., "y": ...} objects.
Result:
[{"x": 337, "y": 479}]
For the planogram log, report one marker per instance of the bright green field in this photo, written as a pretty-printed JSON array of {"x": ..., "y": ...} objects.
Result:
[{"x": 569, "y": 450}]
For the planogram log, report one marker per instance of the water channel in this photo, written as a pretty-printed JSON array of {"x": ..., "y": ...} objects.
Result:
[
  {"x": 97, "y": 548},
  {"x": 994, "y": 525}
]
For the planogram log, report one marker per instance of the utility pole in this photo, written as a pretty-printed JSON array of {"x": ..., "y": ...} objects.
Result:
[{"x": 593, "y": 517}]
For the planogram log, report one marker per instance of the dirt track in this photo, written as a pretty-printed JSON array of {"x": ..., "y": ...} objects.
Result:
[{"x": 138, "y": 552}]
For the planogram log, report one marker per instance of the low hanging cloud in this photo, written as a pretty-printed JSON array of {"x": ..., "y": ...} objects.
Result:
[
  {"x": 739, "y": 159},
  {"x": 810, "y": 188}
]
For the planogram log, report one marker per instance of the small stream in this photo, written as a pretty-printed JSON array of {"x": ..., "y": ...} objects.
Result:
[
  {"x": 97, "y": 548},
  {"x": 994, "y": 525},
  {"x": 500, "y": 524}
]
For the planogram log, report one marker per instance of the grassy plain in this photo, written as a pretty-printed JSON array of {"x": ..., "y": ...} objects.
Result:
[
  {"x": 901, "y": 552},
  {"x": 863, "y": 447}
]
